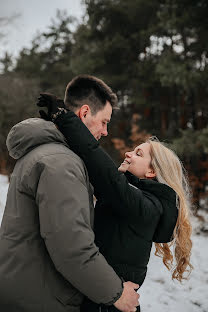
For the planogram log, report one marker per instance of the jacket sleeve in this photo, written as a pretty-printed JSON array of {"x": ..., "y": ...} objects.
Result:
[
  {"x": 64, "y": 213},
  {"x": 108, "y": 182}
]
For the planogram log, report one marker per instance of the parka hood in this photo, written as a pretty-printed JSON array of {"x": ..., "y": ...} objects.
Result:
[
  {"x": 30, "y": 133},
  {"x": 167, "y": 197}
]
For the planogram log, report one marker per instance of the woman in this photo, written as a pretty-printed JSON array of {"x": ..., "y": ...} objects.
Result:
[{"x": 145, "y": 200}]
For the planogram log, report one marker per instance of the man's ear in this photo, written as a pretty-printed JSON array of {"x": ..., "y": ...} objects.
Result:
[
  {"x": 83, "y": 112},
  {"x": 150, "y": 174}
]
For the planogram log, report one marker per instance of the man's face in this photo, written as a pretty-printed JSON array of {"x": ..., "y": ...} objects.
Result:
[{"x": 98, "y": 123}]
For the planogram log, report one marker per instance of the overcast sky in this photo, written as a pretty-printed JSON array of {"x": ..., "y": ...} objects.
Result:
[{"x": 34, "y": 15}]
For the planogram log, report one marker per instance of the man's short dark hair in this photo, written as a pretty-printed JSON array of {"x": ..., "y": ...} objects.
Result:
[{"x": 90, "y": 90}]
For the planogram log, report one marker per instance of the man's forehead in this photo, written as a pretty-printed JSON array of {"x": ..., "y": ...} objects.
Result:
[{"x": 106, "y": 111}]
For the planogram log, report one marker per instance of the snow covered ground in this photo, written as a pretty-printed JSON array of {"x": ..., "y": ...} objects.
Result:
[{"x": 159, "y": 293}]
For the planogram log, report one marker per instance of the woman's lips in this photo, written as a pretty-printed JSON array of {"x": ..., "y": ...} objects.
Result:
[{"x": 125, "y": 162}]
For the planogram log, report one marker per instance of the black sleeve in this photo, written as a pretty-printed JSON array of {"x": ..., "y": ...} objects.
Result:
[{"x": 108, "y": 182}]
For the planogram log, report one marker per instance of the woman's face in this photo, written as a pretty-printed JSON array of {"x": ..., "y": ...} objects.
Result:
[{"x": 138, "y": 162}]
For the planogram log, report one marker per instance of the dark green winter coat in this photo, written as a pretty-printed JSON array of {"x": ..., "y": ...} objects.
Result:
[
  {"x": 48, "y": 258},
  {"x": 130, "y": 213}
]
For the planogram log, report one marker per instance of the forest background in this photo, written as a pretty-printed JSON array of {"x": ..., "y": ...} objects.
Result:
[{"x": 154, "y": 56}]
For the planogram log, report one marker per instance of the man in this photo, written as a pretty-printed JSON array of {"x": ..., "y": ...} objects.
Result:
[{"x": 48, "y": 258}]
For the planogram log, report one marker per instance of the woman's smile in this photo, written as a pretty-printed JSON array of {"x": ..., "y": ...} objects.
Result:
[{"x": 126, "y": 162}]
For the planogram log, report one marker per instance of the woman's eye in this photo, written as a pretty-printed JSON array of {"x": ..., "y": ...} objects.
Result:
[{"x": 139, "y": 153}]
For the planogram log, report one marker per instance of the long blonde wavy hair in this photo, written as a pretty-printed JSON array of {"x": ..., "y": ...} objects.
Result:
[{"x": 169, "y": 170}]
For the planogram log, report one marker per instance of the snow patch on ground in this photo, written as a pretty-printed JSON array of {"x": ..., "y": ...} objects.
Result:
[{"x": 159, "y": 293}]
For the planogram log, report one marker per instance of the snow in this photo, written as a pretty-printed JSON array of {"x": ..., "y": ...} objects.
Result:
[
  {"x": 3, "y": 193},
  {"x": 159, "y": 293}
]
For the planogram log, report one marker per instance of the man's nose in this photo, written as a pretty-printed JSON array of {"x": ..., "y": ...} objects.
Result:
[{"x": 105, "y": 131}]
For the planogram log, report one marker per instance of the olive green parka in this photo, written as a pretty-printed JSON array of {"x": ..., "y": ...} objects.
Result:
[{"x": 48, "y": 258}]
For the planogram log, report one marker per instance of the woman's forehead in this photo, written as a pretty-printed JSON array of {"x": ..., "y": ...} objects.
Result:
[{"x": 144, "y": 147}]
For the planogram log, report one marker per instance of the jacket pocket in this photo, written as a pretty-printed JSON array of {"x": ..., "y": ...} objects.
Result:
[
  {"x": 75, "y": 298},
  {"x": 61, "y": 289}
]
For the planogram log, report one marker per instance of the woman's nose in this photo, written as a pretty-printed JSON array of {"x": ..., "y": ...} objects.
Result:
[{"x": 128, "y": 154}]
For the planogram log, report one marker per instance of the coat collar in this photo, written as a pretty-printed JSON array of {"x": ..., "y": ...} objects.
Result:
[{"x": 160, "y": 190}]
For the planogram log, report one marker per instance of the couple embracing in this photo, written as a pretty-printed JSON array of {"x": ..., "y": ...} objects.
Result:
[{"x": 57, "y": 252}]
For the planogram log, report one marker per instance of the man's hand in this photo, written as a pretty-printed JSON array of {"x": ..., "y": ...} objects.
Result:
[
  {"x": 51, "y": 102},
  {"x": 129, "y": 298}
]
